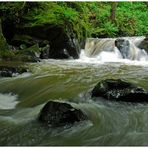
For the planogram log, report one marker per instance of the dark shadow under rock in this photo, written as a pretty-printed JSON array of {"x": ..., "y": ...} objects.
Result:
[
  {"x": 60, "y": 114},
  {"x": 119, "y": 90}
]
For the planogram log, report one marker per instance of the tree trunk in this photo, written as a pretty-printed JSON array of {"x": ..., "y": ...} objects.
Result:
[{"x": 113, "y": 11}]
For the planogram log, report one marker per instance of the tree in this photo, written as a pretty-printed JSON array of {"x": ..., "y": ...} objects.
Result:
[{"x": 113, "y": 11}]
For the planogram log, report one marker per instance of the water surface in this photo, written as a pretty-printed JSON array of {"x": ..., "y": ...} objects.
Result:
[{"x": 110, "y": 123}]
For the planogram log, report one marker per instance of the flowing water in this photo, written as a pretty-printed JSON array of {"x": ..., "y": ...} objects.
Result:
[
  {"x": 95, "y": 46},
  {"x": 110, "y": 123}
]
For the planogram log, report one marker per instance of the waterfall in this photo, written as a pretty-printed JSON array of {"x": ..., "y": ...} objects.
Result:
[{"x": 119, "y": 48}]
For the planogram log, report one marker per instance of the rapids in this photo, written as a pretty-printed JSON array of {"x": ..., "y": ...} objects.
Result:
[
  {"x": 110, "y": 123},
  {"x": 94, "y": 47}
]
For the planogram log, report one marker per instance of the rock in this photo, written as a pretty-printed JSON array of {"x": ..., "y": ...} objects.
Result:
[
  {"x": 72, "y": 48},
  {"x": 144, "y": 44},
  {"x": 9, "y": 71},
  {"x": 30, "y": 54},
  {"x": 9, "y": 29},
  {"x": 119, "y": 90},
  {"x": 6, "y": 73},
  {"x": 124, "y": 47},
  {"x": 45, "y": 52},
  {"x": 60, "y": 114},
  {"x": 58, "y": 39},
  {"x": 59, "y": 54},
  {"x": 45, "y": 48},
  {"x": 82, "y": 44}
]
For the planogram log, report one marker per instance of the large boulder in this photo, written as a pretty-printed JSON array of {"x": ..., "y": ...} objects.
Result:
[
  {"x": 119, "y": 90},
  {"x": 60, "y": 114},
  {"x": 59, "y": 40},
  {"x": 144, "y": 44}
]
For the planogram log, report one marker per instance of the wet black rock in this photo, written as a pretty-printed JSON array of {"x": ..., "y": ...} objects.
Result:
[
  {"x": 119, "y": 90},
  {"x": 124, "y": 47},
  {"x": 45, "y": 52},
  {"x": 58, "y": 39},
  {"x": 59, "y": 114},
  {"x": 8, "y": 71}
]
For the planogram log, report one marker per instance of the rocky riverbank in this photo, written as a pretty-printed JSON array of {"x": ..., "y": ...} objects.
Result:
[{"x": 10, "y": 69}]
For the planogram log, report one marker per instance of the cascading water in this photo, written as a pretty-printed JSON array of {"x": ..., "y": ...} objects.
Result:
[
  {"x": 107, "y": 49},
  {"x": 110, "y": 123}
]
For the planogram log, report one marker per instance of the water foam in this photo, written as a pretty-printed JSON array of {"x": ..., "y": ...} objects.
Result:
[
  {"x": 104, "y": 50},
  {"x": 111, "y": 57},
  {"x": 8, "y": 101}
]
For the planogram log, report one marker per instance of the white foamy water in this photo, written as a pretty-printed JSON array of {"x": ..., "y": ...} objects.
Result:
[
  {"x": 24, "y": 75},
  {"x": 104, "y": 50},
  {"x": 8, "y": 101},
  {"x": 113, "y": 57}
]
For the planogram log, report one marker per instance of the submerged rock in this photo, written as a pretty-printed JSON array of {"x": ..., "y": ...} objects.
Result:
[
  {"x": 120, "y": 90},
  {"x": 60, "y": 114}
]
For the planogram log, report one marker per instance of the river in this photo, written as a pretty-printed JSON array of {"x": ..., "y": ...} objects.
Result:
[{"x": 110, "y": 123}]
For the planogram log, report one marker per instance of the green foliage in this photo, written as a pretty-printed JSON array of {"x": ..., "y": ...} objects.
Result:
[
  {"x": 132, "y": 18},
  {"x": 79, "y": 19},
  {"x": 6, "y": 54},
  {"x": 61, "y": 14},
  {"x": 11, "y": 10},
  {"x": 82, "y": 19},
  {"x": 110, "y": 29}
]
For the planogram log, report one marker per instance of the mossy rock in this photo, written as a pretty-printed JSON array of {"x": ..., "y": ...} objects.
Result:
[
  {"x": 9, "y": 69},
  {"x": 58, "y": 39},
  {"x": 28, "y": 54}
]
